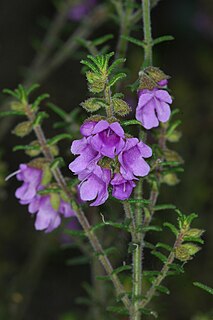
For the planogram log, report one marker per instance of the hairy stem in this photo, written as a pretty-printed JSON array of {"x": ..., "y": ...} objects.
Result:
[
  {"x": 120, "y": 291},
  {"x": 163, "y": 273},
  {"x": 137, "y": 256},
  {"x": 147, "y": 32}
]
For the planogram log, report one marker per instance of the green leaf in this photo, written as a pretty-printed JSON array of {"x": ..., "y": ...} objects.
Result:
[
  {"x": 32, "y": 88},
  {"x": 164, "y": 207},
  {"x": 172, "y": 128},
  {"x": 163, "y": 289},
  {"x": 116, "y": 78},
  {"x": 162, "y": 39},
  {"x": 151, "y": 273},
  {"x": 160, "y": 256},
  {"x": 131, "y": 122},
  {"x": 58, "y": 138},
  {"x": 149, "y": 245},
  {"x": 39, "y": 118},
  {"x": 149, "y": 312},
  {"x": 118, "y": 310},
  {"x": 134, "y": 41},
  {"x": 151, "y": 228},
  {"x": 78, "y": 261},
  {"x": 171, "y": 227},
  {"x": 164, "y": 246},
  {"x": 38, "y": 101},
  {"x": 191, "y": 217},
  {"x": 57, "y": 163},
  {"x": 11, "y": 113},
  {"x": 11, "y": 93},
  {"x": 103, "y": 278},
  {"x": 121, "y": 269},
  {"x": 101, "y": 40},
  {"x": 194, "y": 239},
  {"x": 131, "y": 200},
  {"x": 26, "y": 147},
  {"x": 60, "y": 112},
  {"x": 176, "y": 267},
  {"x": 115, "y": 64},
  {"x": 203, "y": 287},
  {"x": 90, "y": 65}
]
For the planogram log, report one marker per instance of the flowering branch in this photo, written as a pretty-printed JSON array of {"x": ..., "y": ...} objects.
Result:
[{"x": 79, "y": 213}]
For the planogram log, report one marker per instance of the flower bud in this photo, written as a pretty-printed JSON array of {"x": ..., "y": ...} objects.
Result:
[
  {"x": 55, "y": 201},
  {"x": 54, "y": 150},
  {"x": 170, "y": 179},
  {"x": 91, "y": 105},
  {"x": 195, "y": 233},
  {"x": 35, "y": 152},
  {"x": 23, "y": 129},
  {"x": 185, "y": 251},
  {"x": 182, "y": 254},
  {"x": 121, "y": 107},
  {"x": 47, "y": 175},
  {"x": 17, "y": 106},
  {"x": 172, "y": 155},
  {"x": 156, "y": 74},
  {"x": 96, "y": 82},
  {"x": 175, "y": 136}
]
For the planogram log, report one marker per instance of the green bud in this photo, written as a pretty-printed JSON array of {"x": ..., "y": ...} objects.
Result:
[
  {"x": 120, "y": 107},
  {"x": 17, "y": 106},
  {"x": 91, "y": 105},
  {"x": 54, "y": 150},
  {"x": 156, "y": 74},
  {"x": 145, "y": 82},
  {"x": 47, "y": 175},
  {"x": 194, "y": 233},
  {"x": 64, "y": 196},
  {"x": 96, "y": 81},
  {"x": 38, "y": 163},
  {"x": 191, "y": 247},
  {"x": 55, "y": 200},
  {"x": 170, "y": 179},
  {"x": 23, "y": 129},
  {"x": 36, "y": 152},
  {"x": 175, "y": 136},
  {"x": 182, "y": 254},
  {"x": 172, "y": 155}
]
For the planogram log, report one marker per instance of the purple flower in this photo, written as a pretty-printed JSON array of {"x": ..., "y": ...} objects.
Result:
[
  {"x": 107, "y": 138},
  {"x": 95, "y": 186},
  {"x": 153, "y": 106},
  {"x": 31, "y": 178},
  {"x": 82, "y": 9},
  {"x": 47, "y": 218},
  {"x": 132, "y": 160},
  {"x": 88, "y": 157},
  {"x": 122, "y": 188}
]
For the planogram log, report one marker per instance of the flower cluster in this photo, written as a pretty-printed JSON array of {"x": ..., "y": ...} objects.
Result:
[
  {"x": 107, "y": 157},
  {"x": 48, "y": 215},
  {"x": 153, "y": 106}
]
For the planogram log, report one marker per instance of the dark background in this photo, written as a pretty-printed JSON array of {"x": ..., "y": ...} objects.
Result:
[{"x": 189, "y": 60}]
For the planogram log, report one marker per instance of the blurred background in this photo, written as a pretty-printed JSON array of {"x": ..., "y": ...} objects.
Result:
[{"x": 34, "y": 265}]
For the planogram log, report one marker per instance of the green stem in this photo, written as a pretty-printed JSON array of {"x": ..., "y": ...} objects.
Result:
[
  {"x": 147, "y": 32},
  {"x": 137, "y": 257},
  {"x": 108, "y": 98}
]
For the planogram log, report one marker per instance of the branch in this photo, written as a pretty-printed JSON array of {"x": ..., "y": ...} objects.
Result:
[{"x": 120, "y": 291}]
